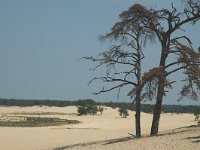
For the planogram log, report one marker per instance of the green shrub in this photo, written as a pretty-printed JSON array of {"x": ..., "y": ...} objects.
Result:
[
  {"x": 196, "y": 114},
  {"x": 92, "y": 109},
  {"x": 82, "y": 110},
  {"x": 89, "y": 109},
  {"x": 123, "y": 112},
  {"x": 100, "y": 109}
]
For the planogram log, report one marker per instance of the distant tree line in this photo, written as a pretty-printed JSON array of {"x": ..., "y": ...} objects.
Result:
[
  {"x": 147, "y": 108},
  {"x": 24, "y": 103}
]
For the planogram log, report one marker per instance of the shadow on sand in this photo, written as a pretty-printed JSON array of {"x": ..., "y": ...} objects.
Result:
[
  {"x": 103, "y": 142},
  {"x": 131, "y": 137},
  {"x": 194, "y": 139}
]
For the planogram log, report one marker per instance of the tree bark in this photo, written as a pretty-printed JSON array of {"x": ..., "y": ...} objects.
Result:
[
  {"x": 138, "y": 90},
  {"x": 137, "y": 114},
  {"x": 157, "y": 109},
  {"x": 160, "y": 93}
]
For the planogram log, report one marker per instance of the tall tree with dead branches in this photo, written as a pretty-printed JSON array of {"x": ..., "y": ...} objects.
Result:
[
  {"x": 123, "y": 61},
  {"x": 166, "y": 26}
]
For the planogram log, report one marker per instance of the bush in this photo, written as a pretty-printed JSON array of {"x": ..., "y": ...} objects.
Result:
[
  {"x": 82, "y": 110},
  {"x": 92, "y": 109},
  {"x": 89, "y": 109},
  {"x": 123, "y": 112},
  {"x": 196, "y": 114},
  {"x": 100, "y": 109}
]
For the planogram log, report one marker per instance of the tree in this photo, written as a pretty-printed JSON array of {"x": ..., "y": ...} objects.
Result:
[
  {"x": 196, "y": 114},
  {"x": 165, "y": 24},
  {"x": 82, "y": 110},
  {"x": 87, "y": 109},
  {"x": 179, "y": 46},
  {"x": 92, "y": 109},
  {"x": 123, "y": 61},
  {"x": 101, "y": 109},
  {"x": 123, "y": 112}
]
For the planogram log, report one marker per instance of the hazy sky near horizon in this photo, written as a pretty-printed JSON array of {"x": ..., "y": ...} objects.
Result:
[{"x": 41, "y": 42}]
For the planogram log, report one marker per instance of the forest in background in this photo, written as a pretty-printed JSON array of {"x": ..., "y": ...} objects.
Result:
[{"x": 147, "y": 108}]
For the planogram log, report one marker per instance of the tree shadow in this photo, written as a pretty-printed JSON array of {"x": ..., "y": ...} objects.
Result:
[
  {"x": 194, "y": 139},
  {"x": 118, "y": 140}
]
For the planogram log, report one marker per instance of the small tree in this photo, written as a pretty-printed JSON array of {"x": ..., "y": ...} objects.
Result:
[
  {"x": 100, "y": 109},
  {"x": 123, "y": 112},
  {"x": 87, "y": 109},
  {"x": 92, "y": 109},
  {"x": 196, "y": 114},
  {"x": 82, "y": 110}
]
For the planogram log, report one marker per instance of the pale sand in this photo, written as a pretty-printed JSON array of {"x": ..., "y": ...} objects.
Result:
[
  {"x": 177, "y": 139},
  {"x": 94, "y": 128}
]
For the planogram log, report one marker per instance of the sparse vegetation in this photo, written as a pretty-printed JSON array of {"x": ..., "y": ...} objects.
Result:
[
  {"x": 196, "y": 114},
  {"x": 82, "y": 110},
  {"x": 36, "y": 122},
  {"x": 123, "y": 112},
  {"x": 92, "y": 109},
  {"x": 101, "y": 109},
  {"x": 89, "y": 109}
]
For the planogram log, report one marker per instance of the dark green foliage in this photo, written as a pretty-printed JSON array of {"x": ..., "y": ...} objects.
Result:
[
  {"x": 147, "y": 108},
  {"x": 84, "y": 102},
  {"x": 180, "y": 109},
  {"x": 123, "y": 111},
  {"x": 100, "y": 109},
  {"x": 113, "y": 105},
  {"x": 82, "y": 110},
  {"x": 87, "y": 109},
  {"x": 24, "y": 103},
  {"x": 197, "y": 114},
  {"x": 92, "y": 109}
]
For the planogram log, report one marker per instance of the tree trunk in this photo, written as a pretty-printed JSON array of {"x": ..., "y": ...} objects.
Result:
[
  {"x": 137, "y": 114},
  {"x": 160, "y": 94},
  {"x": 138, "y": 91},
  {"x": 157, "y": 109}
]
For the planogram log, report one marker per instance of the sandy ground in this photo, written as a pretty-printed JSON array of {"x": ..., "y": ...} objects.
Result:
[
  {"x": 177, "y": 139},
  {"x": 96, "y": 128}
]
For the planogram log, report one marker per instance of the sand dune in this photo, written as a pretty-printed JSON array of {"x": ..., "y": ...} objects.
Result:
[
  {"x": 182, "y": 138},
  {"x": 93, "y": 128}
]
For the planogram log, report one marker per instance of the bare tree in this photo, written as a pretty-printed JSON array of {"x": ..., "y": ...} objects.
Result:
[
  {"x": 169, "y": 22},
  {"x": 165, "y": 23},
  {"x": 123, "y": 61},
  {"x": 136, "y": 25}
]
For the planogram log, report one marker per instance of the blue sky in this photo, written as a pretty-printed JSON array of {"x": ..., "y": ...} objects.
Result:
[{"x": 41, "y": 42}]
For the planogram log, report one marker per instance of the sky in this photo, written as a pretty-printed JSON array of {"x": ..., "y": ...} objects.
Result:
[{"x": 42, "y": 41}]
